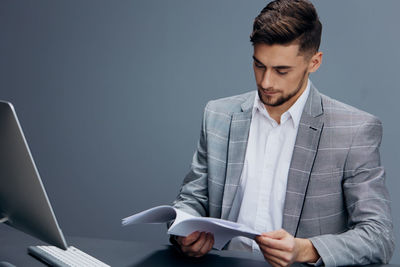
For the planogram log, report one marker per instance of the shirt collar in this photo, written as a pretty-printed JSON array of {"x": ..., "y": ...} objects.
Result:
[
  {"x": 294, "y": 112},
  {"x": 297, "y": 108}
]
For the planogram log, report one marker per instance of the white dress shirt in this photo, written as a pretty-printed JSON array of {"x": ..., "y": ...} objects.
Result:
[{"x": 262, "y": 190}]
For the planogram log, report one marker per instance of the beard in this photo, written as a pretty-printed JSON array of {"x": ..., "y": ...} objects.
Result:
[{"x": 269, "y": 100}]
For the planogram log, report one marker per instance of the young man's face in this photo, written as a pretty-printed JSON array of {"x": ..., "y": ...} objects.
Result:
[{"x": 281, "y": 73}]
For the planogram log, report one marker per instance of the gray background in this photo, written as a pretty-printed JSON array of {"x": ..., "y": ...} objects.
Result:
[{"x": 110, "y": 93}]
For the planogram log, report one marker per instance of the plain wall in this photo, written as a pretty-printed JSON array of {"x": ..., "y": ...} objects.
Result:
[{"x": 110, "y": 94}]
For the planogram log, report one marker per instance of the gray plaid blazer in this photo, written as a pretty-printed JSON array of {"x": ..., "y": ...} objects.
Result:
[{"x": 336, "y": 194}]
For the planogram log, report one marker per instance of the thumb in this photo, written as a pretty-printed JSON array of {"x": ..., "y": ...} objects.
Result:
[{"x": 278, "y": 234}]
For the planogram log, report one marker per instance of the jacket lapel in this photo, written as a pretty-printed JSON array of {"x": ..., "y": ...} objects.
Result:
[
  {"x": 305, "y": 150},
  {"x": 238, "y": 137}
]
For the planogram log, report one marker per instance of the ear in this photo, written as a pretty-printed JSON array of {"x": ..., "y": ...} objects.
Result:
[{"x": 315, "y": 62}]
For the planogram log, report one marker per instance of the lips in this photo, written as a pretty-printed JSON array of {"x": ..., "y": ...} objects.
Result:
[{"x": 266, "y": 92}]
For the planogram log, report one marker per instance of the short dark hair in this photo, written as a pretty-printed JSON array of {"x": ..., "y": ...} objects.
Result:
[{"x": 285, "y": 21}]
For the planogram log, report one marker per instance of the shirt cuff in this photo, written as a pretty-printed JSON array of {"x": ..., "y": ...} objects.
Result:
[{"x": 318, "y": 263}]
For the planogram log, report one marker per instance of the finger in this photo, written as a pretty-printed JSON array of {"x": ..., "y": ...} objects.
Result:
[
  {"x": 273, "y": 264},
  {"x": 196, "y": 246},
  {"x": 273, "y": 243},
  {"x": 206, "y": 247},
  {"x": 282, "y": 255},
  {"x": 190, "y": 239},
  {"x": 187, "y": 243},
  {"x": 212, "y": 242},
  {"x": 274, "y": 260},
  {"x": 195, "y": 250},
  {"x": 180, "y": 239},
  {"x": 201, "y": 251}
]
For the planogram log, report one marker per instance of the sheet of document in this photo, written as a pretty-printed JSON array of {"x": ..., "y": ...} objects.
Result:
[
  {"x": 186, "y": 224},
  {"x": 223, "y": 230},
  {"x": 159, "y": 214}
]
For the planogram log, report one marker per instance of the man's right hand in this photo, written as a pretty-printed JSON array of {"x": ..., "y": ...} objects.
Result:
[{"x": 196, "y": 244}]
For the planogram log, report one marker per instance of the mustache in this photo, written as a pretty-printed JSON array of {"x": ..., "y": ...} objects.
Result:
[{"x": 268, "y": 90}]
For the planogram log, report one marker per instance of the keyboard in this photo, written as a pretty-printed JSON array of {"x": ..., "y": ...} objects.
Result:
[{"x": 71, "y": 257}]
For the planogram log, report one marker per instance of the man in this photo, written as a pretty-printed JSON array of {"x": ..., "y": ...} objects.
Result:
[{"x": 294, "y": 164}]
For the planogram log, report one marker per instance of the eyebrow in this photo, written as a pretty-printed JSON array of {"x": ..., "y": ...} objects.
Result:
[{"x": 279, "y": 67}]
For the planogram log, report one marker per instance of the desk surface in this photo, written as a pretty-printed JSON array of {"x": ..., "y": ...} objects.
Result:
[{"x": 122, "y": 253}]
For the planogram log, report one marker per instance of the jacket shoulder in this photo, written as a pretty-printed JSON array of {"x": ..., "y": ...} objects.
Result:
[
  {"x": 336, "y": 109},
  {"x": 229, "y": 105}
]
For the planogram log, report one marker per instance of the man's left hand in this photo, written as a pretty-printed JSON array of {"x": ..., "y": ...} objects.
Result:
[{"x": 282, "y": 249}]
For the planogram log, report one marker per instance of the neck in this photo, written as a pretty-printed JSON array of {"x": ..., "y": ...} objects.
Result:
[{"x": 275, "y": 113}]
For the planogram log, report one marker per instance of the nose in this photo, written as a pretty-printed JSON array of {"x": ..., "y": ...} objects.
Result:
[{"x": 267, "y": 81}]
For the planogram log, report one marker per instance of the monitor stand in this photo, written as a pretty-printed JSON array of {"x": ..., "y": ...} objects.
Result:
[{"x": 4, "y": 263}]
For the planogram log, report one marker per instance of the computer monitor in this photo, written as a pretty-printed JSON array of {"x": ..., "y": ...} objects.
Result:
[{"x": 24, "y": 204}]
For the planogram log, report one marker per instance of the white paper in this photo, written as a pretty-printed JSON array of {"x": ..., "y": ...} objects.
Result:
[
  {"x": 186, "y": 224},
  {"x": 160, "y": 214}
]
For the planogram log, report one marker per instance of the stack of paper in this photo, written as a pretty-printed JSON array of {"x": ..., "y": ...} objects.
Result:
[{"x": 185, "y": 224}]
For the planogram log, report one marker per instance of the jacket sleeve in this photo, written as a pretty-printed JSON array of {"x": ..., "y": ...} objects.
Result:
[
  {"x": 193, "y": 195},
  {"x": 370, "y": 235}
]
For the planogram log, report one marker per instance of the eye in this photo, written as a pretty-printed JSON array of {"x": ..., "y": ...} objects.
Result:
[
  {"x": 258, "y": 65},
  {"x": 282, "y": 72}
]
